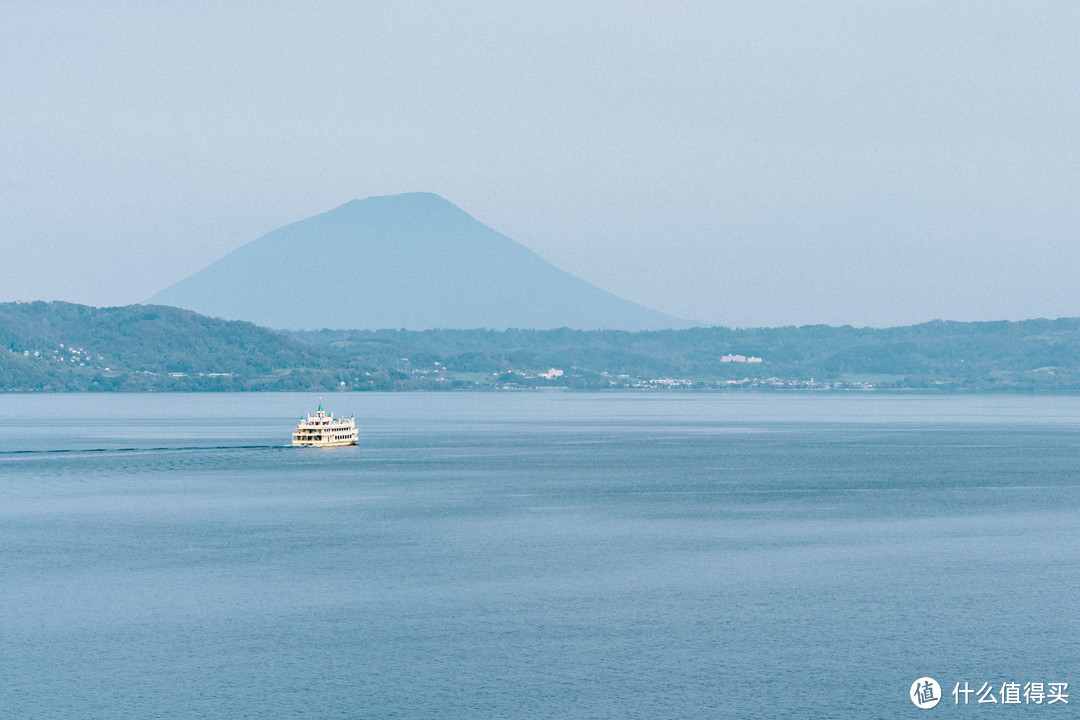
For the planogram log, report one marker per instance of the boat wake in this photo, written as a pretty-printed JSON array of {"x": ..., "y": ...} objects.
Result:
[{"x": 81, "y": 451}]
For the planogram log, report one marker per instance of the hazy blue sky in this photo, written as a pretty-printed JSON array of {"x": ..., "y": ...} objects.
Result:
[{"x": 756, "y": 163}]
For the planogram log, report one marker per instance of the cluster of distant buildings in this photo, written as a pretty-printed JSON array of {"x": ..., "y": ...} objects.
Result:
[
  {"x": 755, "y": 383},
  {"x": 63, "y": 354},
  {"x": 520, "y": 379},
  {"x": 739, "y": 359}
]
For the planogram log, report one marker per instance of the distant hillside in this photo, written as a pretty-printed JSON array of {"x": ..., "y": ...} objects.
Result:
[
  {"x": 402, "y": 261},
  {"x": 1033, "y": 355},
  {"x": 61, "y": 346}
]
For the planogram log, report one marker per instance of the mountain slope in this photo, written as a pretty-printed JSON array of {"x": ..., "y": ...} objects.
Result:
[
  {"x": 400, "y": 261},
  {"x": 62, "y": 346}
]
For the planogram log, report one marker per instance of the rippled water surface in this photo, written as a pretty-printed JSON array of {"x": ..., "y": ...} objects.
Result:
[{"x": 548, "y": 555}]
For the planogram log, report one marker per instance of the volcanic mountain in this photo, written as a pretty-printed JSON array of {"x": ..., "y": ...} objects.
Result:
[{"x": 412, "y": 261}]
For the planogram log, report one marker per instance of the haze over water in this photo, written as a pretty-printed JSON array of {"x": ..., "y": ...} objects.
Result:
[{"x": 534, "y": 555}]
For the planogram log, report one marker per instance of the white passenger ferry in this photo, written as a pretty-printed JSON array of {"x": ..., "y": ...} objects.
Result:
[{"x": 324, "y": 430}]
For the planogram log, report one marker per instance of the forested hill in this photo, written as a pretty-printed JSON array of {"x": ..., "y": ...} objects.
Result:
[
  {"x": 1032, "y": 355},
  {"x": 60, "y": 346},
  {"x": 55, "y": 346}
]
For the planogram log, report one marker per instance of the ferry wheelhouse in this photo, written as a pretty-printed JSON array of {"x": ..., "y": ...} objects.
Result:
[{"x": 324, "y": 430}]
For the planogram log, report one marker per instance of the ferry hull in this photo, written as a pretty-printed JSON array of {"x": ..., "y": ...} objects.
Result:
[{"x": 323, "y": 443}]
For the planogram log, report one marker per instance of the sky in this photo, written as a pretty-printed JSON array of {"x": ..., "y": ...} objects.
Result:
[{"x": 732, "y": 163}]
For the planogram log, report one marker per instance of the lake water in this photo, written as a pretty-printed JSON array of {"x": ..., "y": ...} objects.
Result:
[{"x": 536, "y": 555}]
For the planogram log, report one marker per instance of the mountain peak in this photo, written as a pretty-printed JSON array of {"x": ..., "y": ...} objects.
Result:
[
  {"x": 413, "y": 260},
  {"x": 409, "y": 199}
]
